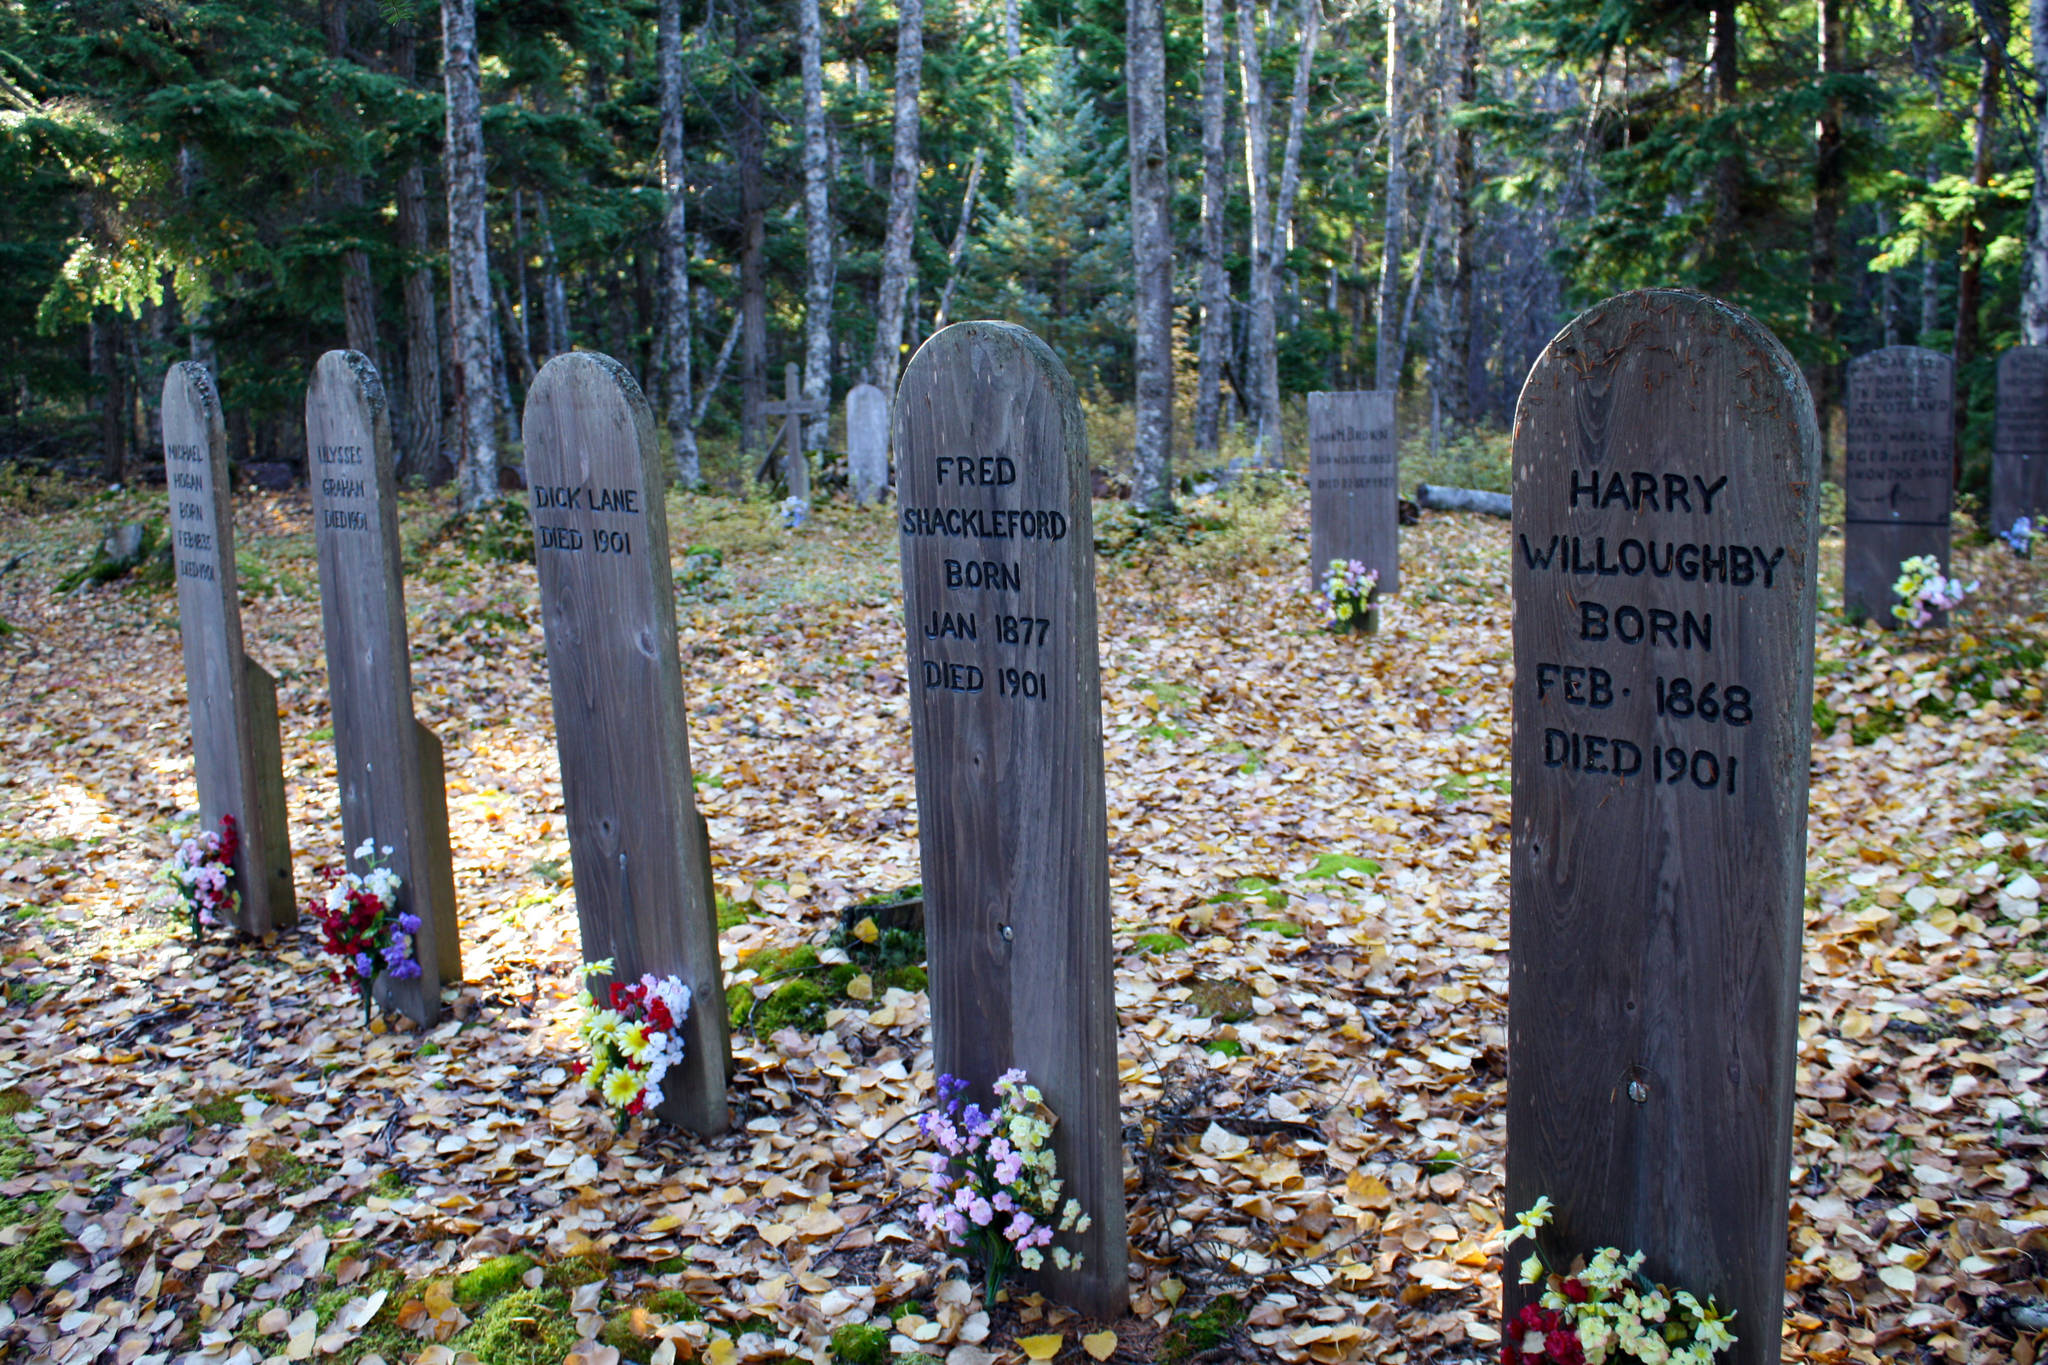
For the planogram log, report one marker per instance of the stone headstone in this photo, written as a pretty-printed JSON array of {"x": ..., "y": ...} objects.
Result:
[
  {"x": 1006, "y": 722},
  {"x": 1666, "y": 473},
  {"x": 867, "y": 443},
  {"x": 1354, "y": 485},
  {"x": 1898, "y": 472},
  {"x": 393, "y": 789},
  {"x": 236, "y": 754},
  {"x": 2019, "y": 440},
  {"x": 595, "y": 485}
]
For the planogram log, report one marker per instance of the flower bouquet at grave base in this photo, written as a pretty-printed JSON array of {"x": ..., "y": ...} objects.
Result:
[
  {"x": 362, "y": 926},
  {"x": 200, "y": 871},
  {"x": 1349, "y": 591},
  {"x": 1922, "y": 590},
  {"x": 634, "y": 1038},
  {"x": 995, "y": 1183},
  {"x": 1607, "y": 1309},
  {"x": 2023, "y": 535}
]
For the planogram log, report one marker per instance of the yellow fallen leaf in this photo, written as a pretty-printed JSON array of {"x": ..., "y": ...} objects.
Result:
[
  {"x": 1368, "y": 1191},
  {"x": 721, "y": 1351},
  {"x": 862, "y": 987},
  {"x": 1899, "y": 1278},
  {"x": 1101, "y": 1345},
  {"x": 1043, "y": 1347},
  {"x": 866, "y": 931}
]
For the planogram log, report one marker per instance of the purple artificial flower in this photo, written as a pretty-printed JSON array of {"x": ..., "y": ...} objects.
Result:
[
  {"x": 408, "y": 923},
  {"x": 365, "y": 968}
]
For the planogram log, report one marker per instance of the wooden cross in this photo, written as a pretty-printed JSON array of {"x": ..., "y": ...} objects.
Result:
[{"x": 789, "y": 437}]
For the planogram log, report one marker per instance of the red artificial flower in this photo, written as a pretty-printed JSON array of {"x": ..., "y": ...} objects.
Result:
[
  {"x": 1509, "y": 1355},
  {"x": 1575, "y": 1290},
  {"x": 577, "y": 1068},
  {"x": 1563, "y": 1347},
  {"x": 658, "y": 1017}
]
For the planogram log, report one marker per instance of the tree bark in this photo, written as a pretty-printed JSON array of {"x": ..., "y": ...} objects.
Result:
[
  {"x": 1214, "y": 346},
  {"x": 675, "y": 253},
  {"x": 1389, "y": 344},
  {"x": 1456, "y": 383},
  {"x": 958, "y": 251},
  {"x": 1728, "y": 171},
  {"x": 1970, "y": 255},
  {"x": 901, "y": 234},
  {"x": 554, "y": 294},
  {"x": 358, "y": 285},
  {"x": 747, "y": 154},
  {"x": 420, "y": 437},
  {"x": 1260, "y": 341},
  {"x": 105, "y": 363},
  {"x": 1830, "y": 186},
  {"x": 818, "y": 233},
  {"x": 1013, "y": 48},
  {"x": 1152, "y": 250},
  {"x": 2034, "y": 304},
  {"x": 469, "y": 268}
]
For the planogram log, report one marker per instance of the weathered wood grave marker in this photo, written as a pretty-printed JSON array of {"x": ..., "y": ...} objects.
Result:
[
  {"x": 1666, "y": 466},
  {"x": 1898, "y": 472},
  {"x": 236, "y": 754},
  {"x": 1006, "y": 723},
  {"x": 643, "y": 868},
  {"x": 1354, "y": 485},
  {"x": 867, "y": 443},
  {"x": 788, "y": 441},
  {"x": 393, "y": 787},
  {"x": 2019, "y": 439}
]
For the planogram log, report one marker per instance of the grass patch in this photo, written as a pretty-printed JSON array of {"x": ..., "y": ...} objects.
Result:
[{"x": 732, "y": 914}]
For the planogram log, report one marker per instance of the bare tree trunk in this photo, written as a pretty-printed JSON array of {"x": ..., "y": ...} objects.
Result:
[
  {"x": 1152, "y": 249},
  {"x": 469, "y": 267},
  {"x": 1390, "y": 344},
  {"x": 1888, "y": 286},
  {"x": 1457, "y": 381},
  {"x": 519, "y": 359},
  {"x": 1013, "y": 48},
  {"x": 1214, "y": 345},
  {"x": 2034, "y": 304},
  {"x": 747, "y": 154},
  {"x": 1260, "y": 342},
  {"x": 554, "y": 294},
  {"x": 1728, "y": 172},
  {"x": 675, "y": 253},
  {"x": 1830, "y": 185},
  {"x": 818, "y": 232},
  {"x": 105, "y": 338},
  {"x": 958, "y": 251},
  {"x": 1970, "y": 256},
  {"x": 420, "y": 451},
  {"x": 902, "y": 229},
  {"x": 358, "y": 286}
]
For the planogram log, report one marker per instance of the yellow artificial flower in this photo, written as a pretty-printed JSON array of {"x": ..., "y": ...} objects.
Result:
[{"x": 620, "y": 1088}]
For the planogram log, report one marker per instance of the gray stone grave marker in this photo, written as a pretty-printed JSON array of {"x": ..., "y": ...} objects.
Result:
[
  {"x": 236, "y": 754},
  {"x": 1898, "y": 472},
  {"x": 643, "y": 868},
  {"x": 2019, "y": 440},
  {"x": 1666, "y": 468},
  {"x": 867, "y": 443},
  {"x": 1006, "y": 722},
  {"x": 1354, "y": 485},
  {"x": 393, "y": 788}
]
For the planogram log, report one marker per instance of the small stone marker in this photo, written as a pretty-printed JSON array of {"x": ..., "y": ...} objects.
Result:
[
  {"x": 1354, "y": 485},
  {"x": 393, "y": 789},
  {"x": 789, "y": 437},
  {"x": 867, "y": 443},
  {"x": 1666, "y": 467},
  {"x": 2019, "y": 440},
  {"x": 236, "y": 755},
  {"x": 1006, "y": 721},
  {"x": 643, "y": 866},
  {"x": 1898, "y": 472}
]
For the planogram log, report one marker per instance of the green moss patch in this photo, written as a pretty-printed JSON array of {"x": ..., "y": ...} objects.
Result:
[
  {"x": 1159, "y": 943},
  {"x": 525, "y": 1327},
  {"x": 22, "y": 1265},
  {"x": 1192, "y": 1334},
  {"x": 1227, "y": 1002},
  {"x": 494, "y": 1277},
  {"x": 860, "y": 1343}
]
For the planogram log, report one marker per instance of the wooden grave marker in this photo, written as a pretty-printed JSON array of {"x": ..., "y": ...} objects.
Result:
[
  {"x": 644, "y": 899},
  {"x": 1898, "y": 472},
  {"x": 1666, "y": 477},
  {"x": 867, "y": 443},
  {"x": 787, "y": 444},
  {"x": 237, "y": 757},
  {"x": 1006, "y": 721},
  {"x": 389, "y": 765},
  {"x": 2019, "y": 439},
  {"x": 1354, "y": 485}
]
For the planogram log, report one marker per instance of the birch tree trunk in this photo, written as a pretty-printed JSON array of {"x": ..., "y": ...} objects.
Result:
[
  {"x": 747, "y": 155},
  {"x": 675, "y": 253},
  {"x": 554, "y": 294},
  {"x": 1970, "y": 256},
  {"x": 1013, "y": 48},
  {"x": 1152, "y": 248},
  {"x": 1260, "y": 353},
  {"x": 1214, "y": 344},
  {"x": 902, "y": 229},
  {"x": 1457, "y": 379},
  {"x": 2034, "y": 304},
  {"x": 1830, "y": 186},
  {"x": 1390, "y": 344},
  {"x": 818, "y": 234},
  {"x": 469, "y": 271}
]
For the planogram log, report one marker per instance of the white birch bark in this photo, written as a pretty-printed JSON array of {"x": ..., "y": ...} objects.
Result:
[
  {"x": 675, "y": 252},
  {"x": 818, "y": 233},
  {"x": 1013, "y": 48},
  {"x": 1152, "y": 249},
  {"x": 1260, "y": 353},
  {"x": 469, "y": 271},
  {"x": 1215, "y": 285},
  {"x": 1390, "y": 343},
  {"x": 2034, "y": 304},
  {"x": 902, "y": 230}
]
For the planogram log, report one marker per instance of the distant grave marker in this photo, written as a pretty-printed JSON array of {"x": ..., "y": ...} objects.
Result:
[
  {"x": 643, "y": 873},
  {"x": 236, "y": 755},
  {"x": 393, "y": 787},
  {"x": 1354, "y": 485},
  {"x": 788, "y": 440},
  {"x": 1006, "y": 721},
  {"x": 1898, "y": 472},
  {"x": 2019, "y": 440},
  {"x": 1666, "y": 467},
  {"x": 867, "y": 443}
]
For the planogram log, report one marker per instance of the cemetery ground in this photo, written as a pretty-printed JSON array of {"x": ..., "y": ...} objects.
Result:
[{"x": 204, "y": 1154}]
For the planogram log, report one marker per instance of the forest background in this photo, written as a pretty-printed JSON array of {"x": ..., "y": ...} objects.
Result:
[{"x": 1411, "y": 193}]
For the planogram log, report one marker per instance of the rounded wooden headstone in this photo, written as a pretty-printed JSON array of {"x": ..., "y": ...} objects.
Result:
[
  {"x": 389, "y": 765},
  {"x": 236, "y": 754},
  {"x": 1354, "y": 478},
  {"x": 1006, "y": 720},
  {"x": 1666, "y": 468},
  {"x": 1898, "y": 472},
  {"x": 2019, "y": 440},
  {"x": 595, "y": 485},
  {"x": 867, "y": 443}
]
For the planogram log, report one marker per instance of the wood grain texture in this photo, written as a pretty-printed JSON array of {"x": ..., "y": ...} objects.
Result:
[
  {"x": 1654, "y": 963},
  {"x": 643, "y": 876},
  {"x": 2019, "y": 439},
  {"x": 1006, "y": 721},
  {"x": 1354, "y": 477},
  {"x": 391, "y": 789},
  {"x": 1898, "y": 472},
  {"x": 236, "y": 752},
  {"x": 867, "y": 443}
]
